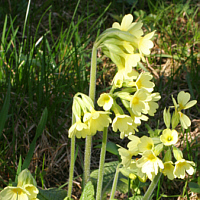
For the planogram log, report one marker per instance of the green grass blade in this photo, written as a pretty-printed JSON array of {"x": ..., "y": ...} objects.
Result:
[
  {"x": 4, "y": 110},
  {"x": 39, "y": 131}
]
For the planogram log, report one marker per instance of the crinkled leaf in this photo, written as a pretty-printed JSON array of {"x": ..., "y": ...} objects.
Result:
[
  {"x": 52, "y": 194},
  {"x": 109, "y": 173},
  {"x": 88, "y": 192}
]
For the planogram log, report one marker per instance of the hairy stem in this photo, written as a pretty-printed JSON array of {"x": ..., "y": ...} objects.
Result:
[
  {"x": 72, "y": 161},
  {"x": 88, "y": 142},
  {"x": 101, "y": 165}
]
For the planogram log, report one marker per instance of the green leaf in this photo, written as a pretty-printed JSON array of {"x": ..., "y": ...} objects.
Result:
[
  {"x": 88, "y": 192},
  {"x": 110, "y": 147},
  {"x": 52, "y": 194},
  {"x": 109, "y": 173},
  {"x": 194, "y": 187},
  {"x": 39, "y": 131},
  {"x": 4, "y": 110}
]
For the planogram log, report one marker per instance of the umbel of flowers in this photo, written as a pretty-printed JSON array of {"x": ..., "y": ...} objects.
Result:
[{"x": 131, "y": 100}]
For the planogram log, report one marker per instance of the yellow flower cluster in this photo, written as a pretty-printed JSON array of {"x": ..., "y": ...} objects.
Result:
[
  {"x": 149, "y": 164},
  {"x": 149, "y": 148},
  {"x": 127, "y": 46},
  {"x": 26, "y": 188},
  {"x": 88, "y": 120}
]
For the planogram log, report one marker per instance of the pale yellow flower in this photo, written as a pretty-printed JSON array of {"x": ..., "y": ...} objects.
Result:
[
  {"x": 133, "y": 144},
  {"x": 169, "y": 137},
  {"x": 78, "y": 129},
  {"x": 131, "y": 60},
  {"x": 150, "y": 164},
  {"x": 183, "y": 103},
  {"x": 130, "y": 131},
  {"x": 96, "y": 121},
  {"x": 153, "y": 106},
  {"x": 185, "y": 120},
  {"x": 126, "y": 156},
  {"x": 138, "y": 102},
  {"x": 183, "y": 100},
  {"x": 25, "y": 190},
  {"x": 121, "y": 122},
  {"x": 13, "y": 193},
  {"x": 169, "y": 170},
  {"x": 183, "y": 165},
  {"x": 146, "y": 143},
  {"x": 127, "y": 25},
  {"x": 106, "y": 101},
  {"x": 143, "y": 81},
  {"x": 145, "y": 44}
]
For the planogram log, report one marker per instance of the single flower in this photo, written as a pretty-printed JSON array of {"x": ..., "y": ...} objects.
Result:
[
  {"x": 183, "y": 165},
  {"x": 183, "y": 101},
  {"x": 146, "y": 143},
  {"x": 122, "y": 122},
  {"x": 79, "y": 129},
  {"x": 145, "y": 44},
  {"x": 149, "y": 164},
  {"x": 126, "y": 156},
  {"x": 169, "y": 170},
  {"x": 96, "y": 121},
  {"x": 106, "y": 101},
  {"x": 144, "y": 81},
  {"x": 138, "y": 102},
  {"x": 169, "y": 137}
]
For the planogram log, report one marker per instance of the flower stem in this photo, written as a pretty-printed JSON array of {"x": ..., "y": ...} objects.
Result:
[
  {"x": 152, "y": 186},
  {"x": 114, "y": 186},
  {"x": 72, "y": 161},
  {"x": 88, "y": 141},
  {"x": 101, "y": 165}
]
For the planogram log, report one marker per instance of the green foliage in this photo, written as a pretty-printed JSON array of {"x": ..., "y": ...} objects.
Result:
[
  {"x": 194, "y": 187},
  {"x": 110, "y": 147},
  {"x": 109, "y": 173},
  {"x": 88, "y": 192},
  {"x": 39, "y": 131},
  {"x": 51, "y": 194},
  {"x": 4, "y": 110}
]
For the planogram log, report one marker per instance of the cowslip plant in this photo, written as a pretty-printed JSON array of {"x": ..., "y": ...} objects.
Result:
[{"x": 131, "y": 99}]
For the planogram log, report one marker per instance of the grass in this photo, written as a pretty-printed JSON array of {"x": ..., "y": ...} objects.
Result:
[{"x": 45, "y": 56}]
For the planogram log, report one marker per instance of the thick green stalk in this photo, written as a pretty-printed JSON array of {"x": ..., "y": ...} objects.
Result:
[
  {"x": 152, "y": 186},
  {"x": 72, "y": 161},
  {"x": 114, "y": 186},
  {"x": 101, "y": 164},
  {"x": 88, "y": 141}
]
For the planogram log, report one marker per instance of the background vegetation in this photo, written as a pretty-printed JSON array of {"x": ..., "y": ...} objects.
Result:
[{"x": 45, "y": 52}]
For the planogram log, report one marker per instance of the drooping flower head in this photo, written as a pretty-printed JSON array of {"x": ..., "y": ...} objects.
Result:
[{"x": 96, "y": 121}]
